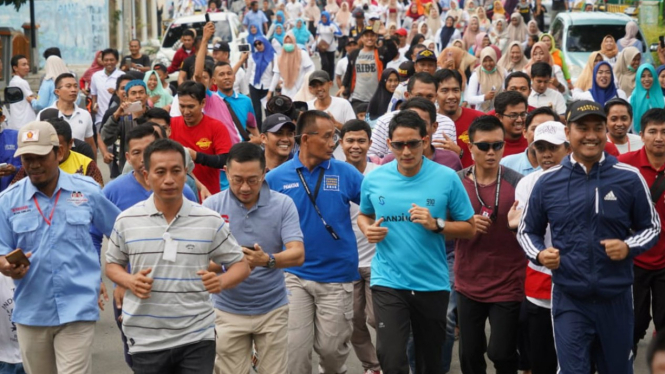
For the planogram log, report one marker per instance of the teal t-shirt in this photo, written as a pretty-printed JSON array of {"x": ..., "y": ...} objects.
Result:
[{"x": 412, "y": 257}]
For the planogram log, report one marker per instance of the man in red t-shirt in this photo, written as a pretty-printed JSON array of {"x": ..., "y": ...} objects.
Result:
[
  {"x": 649, "y": 267},
  {"x": 449, "y": 96},
  {"x": 511, "y": 110},
  {"x": 183, "y": 52},
  {"x": 206, "y": 139}
]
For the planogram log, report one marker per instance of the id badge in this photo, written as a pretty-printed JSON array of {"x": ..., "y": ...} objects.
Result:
[{"x": 486, "y": 212}]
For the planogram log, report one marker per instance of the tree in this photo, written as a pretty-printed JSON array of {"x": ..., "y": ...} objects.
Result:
[{"x": 16, "y": 3}]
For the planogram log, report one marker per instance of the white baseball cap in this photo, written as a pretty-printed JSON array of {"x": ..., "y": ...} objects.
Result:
[{"x": 551, "y": 131}]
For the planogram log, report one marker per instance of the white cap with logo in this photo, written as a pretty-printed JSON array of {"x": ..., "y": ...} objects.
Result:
[
  {"x": 37, "y": 138},
  {"x": 551, "y": 131}
]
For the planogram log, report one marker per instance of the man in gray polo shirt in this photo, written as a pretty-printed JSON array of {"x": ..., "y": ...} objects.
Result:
[{"x": 266, "y": 224}]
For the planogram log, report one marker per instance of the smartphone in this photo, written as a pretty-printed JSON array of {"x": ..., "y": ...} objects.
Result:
[
  {"x": 3, "y": 165},
  {"x": 243, "y": 47},
  {"x": 135, "y": 107},
  {"x": 662, "y": 41},
  {"x": 207, "y": 17},
  {"x": 450, "y": 55},
  {"x": 17, "y": 257},
  {"x": 128, "y": 61},
  {"x": 250, "y": 247}
]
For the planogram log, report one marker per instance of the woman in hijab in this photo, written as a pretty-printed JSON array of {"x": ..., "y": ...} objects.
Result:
[
  {"x": 433, "y": 19},
  {"x": 415, "y": 12},
  {"x": 513, "y": 59},
  {"x": 417, "y": 39},
  {"x": 393, "y": 10},
  {"x": 499, "y": 35},
  {"x": 277, "y": 38},
  {"x": 302, "y": 34},
  {"x": 260, "y": 67},
  {"x": 499, "y": 11},
  {"x": 585, "y": 79},
  {"x": 557, "y": 57},
  {"x": 540, "y": 53},
  {"x": 486, "y": 81},
  {"x": 517, "y": 30},
  {"x": 471, "y": 32},
  {"x": 456, "y": 59},
  {"x": 279, "y": 20},
  {"x": 447, "y": 34},
  {"x": 459, "y": 15},
  {"x": 626, "y": 67},
  {"x": 96, "y": 66},
  {"x": 647, "y": 94},
  {"x": 484, "y": 24},
  {"x": 327, "y": 33},
  {"x": 603, "y": 88},
  {"x": 312, "y": 15},
  {"x": 380, "y": 101},
  {"x": 532, "y": 29},
  {"x": 661, "y": 77},
  {"x": 254, "y": 32},
  {"x": 160, "y": 97},
  {"x": 332, "y": 7},
  {"x": 343, "y": 18},
  {"x": 292, "y": 65},
  {"x": 423, "y": 28},
  {"x": 46, "y": 96},
  {"x": 470, "y": 7},
  {"x": 630, "y": 40},
  {"x": 482, "y": 41},
  {"x": 609, "y": 50}
]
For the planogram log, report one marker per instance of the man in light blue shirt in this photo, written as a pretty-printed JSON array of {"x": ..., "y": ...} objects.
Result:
[
  {"x": 48, "y": 216},
  {"x": 254, "y": 16},
  {"x": 525, "y": 163}
]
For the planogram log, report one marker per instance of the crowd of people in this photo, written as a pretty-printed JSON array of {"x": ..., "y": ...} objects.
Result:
[{"x": 441, "y": 170}]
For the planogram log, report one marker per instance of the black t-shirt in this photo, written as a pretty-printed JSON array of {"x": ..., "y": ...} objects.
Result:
[
  {"x": 189, "y": 62},
  {"x": 559, "y": 4},
  {"x": 144, "y": 60},
  {"x": 269, "y": 13}
]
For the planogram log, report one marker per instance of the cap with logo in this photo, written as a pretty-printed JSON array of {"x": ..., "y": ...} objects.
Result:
[
  {"x": 221, "y": 47},
  {"x": 37, "y": 138},
  {"x": 406, "y": 70},
  {"x": 319, "y": 76},
  {"x": 583, "y": 108},
  {"x": 425, "y": 55},
  {"x": 275, "y": 122},
  {"x": 551, "y": 131},
  {"x": 367, "y": 29},
  {"x": 358, "y": 13},
  {"x": 401, "y": 32}
]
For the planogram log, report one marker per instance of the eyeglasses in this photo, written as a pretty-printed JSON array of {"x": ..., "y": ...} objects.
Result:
[
  {"x": 326, "y": 136},
  {"x": 411, "y": 144},
  {"x": 513, "y": 116},
  {"x": 485, "y": 146},
  {"x": 251, "y": 181},
  {"x": 256, "y": 44}
]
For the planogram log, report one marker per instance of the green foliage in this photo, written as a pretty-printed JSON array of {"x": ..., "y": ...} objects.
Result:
[
  {"x": 651, "y": 34},
  {"x": 16, "y": 3}
]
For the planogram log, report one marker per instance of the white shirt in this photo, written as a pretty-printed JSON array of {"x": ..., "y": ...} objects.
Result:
[
  {"x": 339, "y": 108},
  {"x": 266, "y": 77},
  {"x": 327, "y": 34},
  {"x": 306, "y": 64},
  {"x": 241, "y": 84},
  {"x": 634, "y": 143},
  {"x": 380, "y": 132},
  {"x": 551, "y": 98},
  {"x": 366, "y": 249},
  {"x": 9, "y": 350},
  {"x": 80, "y": 122},
  {"x": 340, "y": 68},
  {"x": 20, "y": 113},
  {"x": 99, "y": 85},
  {"x": 293, "y": 10},
  {"x": 394, "y": 64},
  {"x": 586, "y": 95}
]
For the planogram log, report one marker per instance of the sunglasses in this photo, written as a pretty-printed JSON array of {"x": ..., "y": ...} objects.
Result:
[
  {"x": 257, "y": 43},
  {"x": 411, "y": 144},
  {"x": 485, "y": 146}
]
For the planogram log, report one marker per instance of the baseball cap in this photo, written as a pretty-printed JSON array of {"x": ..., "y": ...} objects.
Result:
[
  {"x": 367, "y": 29},
  {"x": 275, "y": 122},
  {"x": 319, "y": 76},
  {"x": 221, "y": 47},
  {"x": 551, "y": 131},
  {"x": 583, "y": 108},
  {"x": 358, "y": 13},
  {"x": 426, "y": 55},
  {"x": 353, "y": 40},
  {"x": 37, "y": 137},
  {"x": 161, "y": 67},
  {"x": 49, "y": 113},
  {"x": 406, "y": 70},
  {"x": 401, "y": 32}
]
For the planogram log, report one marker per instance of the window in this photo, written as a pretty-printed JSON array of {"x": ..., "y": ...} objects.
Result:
[
  {"x": 557, "y": 33},
  {"x": 223, "y": 32},
  {"x": 588, "y": 38}
]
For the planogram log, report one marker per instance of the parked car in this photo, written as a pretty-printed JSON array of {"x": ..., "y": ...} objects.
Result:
[
  {"x": 577, "y": 34},
  {"x": 227, "y": 28}
]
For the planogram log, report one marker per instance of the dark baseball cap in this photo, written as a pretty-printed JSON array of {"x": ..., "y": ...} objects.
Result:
[
  {"x": 406, "y": 70},
  {"x": 275, "y": 122},
  {"x": 358, "y": 13},
  {"x": 221, "y": 47},
  {"x": 583, "y": 108},
  {"x": 367, "y": 29},
  {"x": 426, "y": 55},
  {"x": 319, "y": 76}
]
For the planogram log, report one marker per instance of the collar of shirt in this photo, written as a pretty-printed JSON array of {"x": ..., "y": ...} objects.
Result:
[
  {"x": 152, "y": 209},
  {"x": 297, "y": 164},
  {"x": 643, "y": 160},
  {"x": 264, "y": 198},
  {"x": 77, "y": 110},
  {"x": 65, "y": 182},
  {"x": 110, "y": 75},
  {"x": 234, "y": 95},
  {"x": 573, "y": 161}
]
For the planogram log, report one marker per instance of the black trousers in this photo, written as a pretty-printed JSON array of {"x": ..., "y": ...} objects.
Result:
[
  {"x": 197, "y": 358},
  {"x": 648, "y": 297},
  {"x": 397, "y": 312},
  {"x": 256, "y": 95},
  {"x": 539, "y": 351},
  {"x": 502, "y": 347},
  {"x": 328, "y": 63}
]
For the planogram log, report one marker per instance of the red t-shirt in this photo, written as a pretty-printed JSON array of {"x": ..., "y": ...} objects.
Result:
[
  {"x": 611, "y": 149},
  {"x": 654, "y": 258},
  {"x": 209, "y": 137},
  {"x": 489, "y": 268},
  {"x": 514, "y": 147},
  {"x": 462, "y": 127}
]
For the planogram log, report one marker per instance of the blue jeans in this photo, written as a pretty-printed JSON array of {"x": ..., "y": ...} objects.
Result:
[
  {"x": 6, "y": 368},
  {"x": 451, "y": 317}
]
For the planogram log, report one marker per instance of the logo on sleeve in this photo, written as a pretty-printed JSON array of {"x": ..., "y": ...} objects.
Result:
[
  {"x": 77, "y": 198},
  {"x": 331, "y": 183}
]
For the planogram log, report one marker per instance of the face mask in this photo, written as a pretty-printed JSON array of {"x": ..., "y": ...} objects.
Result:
[
  {"x": 489, "y": 71},
  {"x": 289, "y": 47},
  {"x": 631, "y": 69}
]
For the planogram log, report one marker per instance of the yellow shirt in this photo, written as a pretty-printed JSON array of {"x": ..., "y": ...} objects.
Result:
[{"x": 76, "y": 163}]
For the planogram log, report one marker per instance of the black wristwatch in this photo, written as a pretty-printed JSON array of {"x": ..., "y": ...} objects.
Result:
[
  {"x": 271, "y": 261},
  {"x": 440, "y": 224}
]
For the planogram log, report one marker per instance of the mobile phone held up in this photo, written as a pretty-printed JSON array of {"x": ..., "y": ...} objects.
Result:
[
  {"x": 243, "y": 48},
  {"x": 207, "y": 17},
  {"x": 662, "y": 41}
]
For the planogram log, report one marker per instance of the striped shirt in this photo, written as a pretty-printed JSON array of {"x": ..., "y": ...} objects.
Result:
[
  {"x": 179, "y": 310},
  {"x": 380, "y": 132}
]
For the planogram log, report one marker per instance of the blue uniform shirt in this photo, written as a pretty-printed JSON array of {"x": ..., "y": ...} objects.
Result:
[
  {"x": 8, "y": 139},
  {"x": 520, "y": 163},
  {"x": 62, "y": 284},
  {"x": 326, "y": 260}
]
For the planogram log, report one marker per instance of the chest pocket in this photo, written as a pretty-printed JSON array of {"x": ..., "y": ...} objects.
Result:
[
  {"x": 25, "y": 227},
  {"x": 79, "y": 224}
]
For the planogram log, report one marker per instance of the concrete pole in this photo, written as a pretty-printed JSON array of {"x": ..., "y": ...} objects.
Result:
[
  {"x": 154, "y": 33},
  {"x": 143, "y": 12},
  {"x": 120, "y": 25}
]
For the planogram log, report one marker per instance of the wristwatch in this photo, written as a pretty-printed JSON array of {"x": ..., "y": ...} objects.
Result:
[
  {"x": 271, "y": 261},
  {"x": 440, "y": 224}
]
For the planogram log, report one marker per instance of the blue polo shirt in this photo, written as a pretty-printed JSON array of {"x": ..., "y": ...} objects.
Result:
[
  {"x": 412, "y": 257},
  {"x": 62, "y": 284},
  {"x": 519, "y": 162},
  {"x": 8, "y": 139},
  {"x": 271, "y": 222},
  {"x": 242, "y": 107},
  {"x": 326, "y": 260}
]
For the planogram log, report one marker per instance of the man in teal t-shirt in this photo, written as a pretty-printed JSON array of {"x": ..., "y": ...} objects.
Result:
[{"x": 409, "y": 207}]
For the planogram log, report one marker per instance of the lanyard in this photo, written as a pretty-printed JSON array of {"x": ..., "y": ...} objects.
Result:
[
  {"x": 495, "y": 211},
  {"x": 50, "y": 217},
  {"x": 313, "y": 197}
]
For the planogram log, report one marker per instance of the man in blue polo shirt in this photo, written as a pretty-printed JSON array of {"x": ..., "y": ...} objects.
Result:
[
  {"x": 257, "y": 309},
  {"x": 48, "y": 215},
  {"x": 419, "y": 204},
  {"x": 321, "y": 290}
]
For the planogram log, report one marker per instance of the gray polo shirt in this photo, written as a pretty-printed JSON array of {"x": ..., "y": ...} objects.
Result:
[
  {"x": 178, "y": 311},
  {"x": 271, "y": 222}
]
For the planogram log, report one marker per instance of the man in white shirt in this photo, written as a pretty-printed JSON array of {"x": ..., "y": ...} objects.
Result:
[
  {"x": 619, "y": 119},
  {"x": 339, "y": 109},
  {"x": 21, "y": 113},
  {"x": 102, "y": 85},
  {"x": 294, "y": 10},
  {"x": 541, "y": 95}
]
